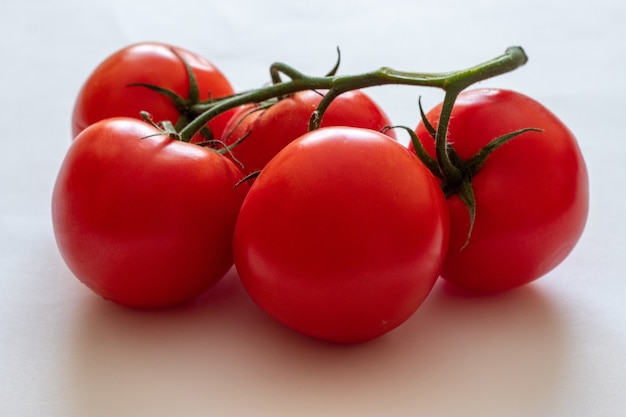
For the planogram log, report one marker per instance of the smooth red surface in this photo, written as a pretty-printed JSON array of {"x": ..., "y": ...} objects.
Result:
[
  {"x": 106, "y": 92},
  {"x": 144, "y": 222},
  {"x": 342, "y": 236},
  {"x": 532, "y": 194},
  {"x": 270, "y": 130}
]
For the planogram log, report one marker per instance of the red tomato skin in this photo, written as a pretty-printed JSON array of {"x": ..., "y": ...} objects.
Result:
[
  {"x": 532, "y": 195},
  {"x": 144, "y": 223},
  {"x": 270, "y": 130},
  {"x": 106, "y": 93},
  {"x": 342, "y": 236}
]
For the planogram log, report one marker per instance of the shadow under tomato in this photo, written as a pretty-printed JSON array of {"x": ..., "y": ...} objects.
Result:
[
  {"x": 482, "y": 355},
  {"x": 221, "y": 354},
  {"x": 156, "y": 362},
  {"x": 490, "y": 353}
]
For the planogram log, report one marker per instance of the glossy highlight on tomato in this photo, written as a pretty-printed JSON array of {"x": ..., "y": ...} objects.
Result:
[
  {"x": 342, "y": 236},
  {"x": 531, "y": 195},
  {"x": 144, "y": 220}
]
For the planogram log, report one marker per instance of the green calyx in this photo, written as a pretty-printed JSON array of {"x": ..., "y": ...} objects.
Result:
[
  {"x": 455, "y": 173},
  {"x": 183, "y": 105}
]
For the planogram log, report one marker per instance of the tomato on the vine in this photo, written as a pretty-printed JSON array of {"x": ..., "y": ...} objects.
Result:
[
  {"x": 531, "y": 194},
  {"x": 142, "y": 219},
  {"x": 342, "y": 235},
  {"x": 269, "y": 129},
  {"x": 109, "y": 90}
]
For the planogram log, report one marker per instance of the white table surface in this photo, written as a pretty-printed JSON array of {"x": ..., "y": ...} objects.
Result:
[{"x": 554, "y": 348}]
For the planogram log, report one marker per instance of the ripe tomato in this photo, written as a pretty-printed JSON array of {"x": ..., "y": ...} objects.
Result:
[
  {"x": 144, "y": 222},
  {"x": 342, "y": 235},
  {"x": 106, "y": 93},
  {"x": 531, "y": 194},
  {"x": 271, "y": 129}
]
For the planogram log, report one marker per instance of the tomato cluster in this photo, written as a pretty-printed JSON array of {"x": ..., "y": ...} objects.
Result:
[{"x": 342, "y": 232}]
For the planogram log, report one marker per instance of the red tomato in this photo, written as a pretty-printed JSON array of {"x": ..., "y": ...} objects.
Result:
[
  {"x": 107, "y": 93},
  {"x": 270, "y": 130},
  {"x": 342, "y": 235},
  {"x": 144, "y": 222},
  {"x": 531, "y": 194}
]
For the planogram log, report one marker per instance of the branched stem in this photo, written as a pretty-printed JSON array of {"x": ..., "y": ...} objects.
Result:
[{"x": 451, "y": 82}]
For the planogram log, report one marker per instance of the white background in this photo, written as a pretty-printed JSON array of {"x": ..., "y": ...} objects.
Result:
[{"x": 554, "y": 348}]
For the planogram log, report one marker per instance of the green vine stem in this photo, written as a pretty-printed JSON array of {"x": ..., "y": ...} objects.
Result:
[
  {"x": 451, "y": 82},
  {"x": 455, "y": 174}
]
